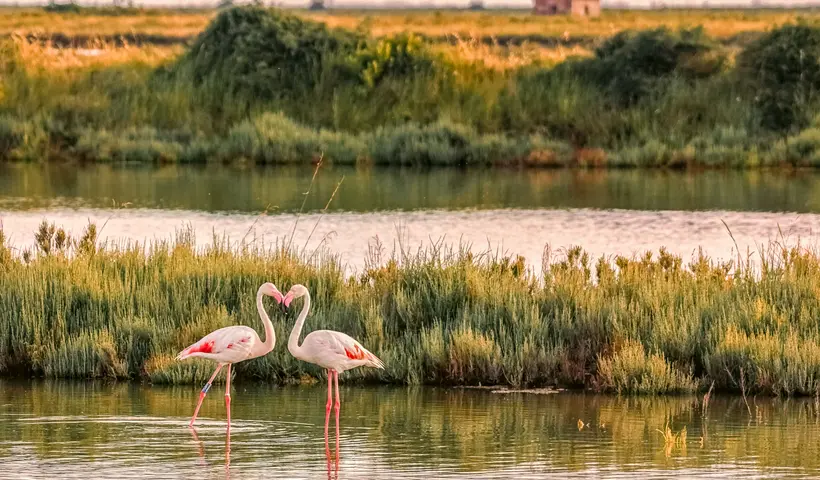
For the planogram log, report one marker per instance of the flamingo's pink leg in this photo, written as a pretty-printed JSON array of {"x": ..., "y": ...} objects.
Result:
[
  {"x": 203, "y": 393},
  {"x": 338, "y": 406},
  {"x": 327, "y": 409},
  {"x": 327, "y": 455},
  {"x": 228, "y": 398},
  {"x": 228, "y": 453}
]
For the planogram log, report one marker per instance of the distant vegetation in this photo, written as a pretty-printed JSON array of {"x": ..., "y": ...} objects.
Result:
[
  {"x": 73, "y": 308},
  {"x": 265, "y": 86}
]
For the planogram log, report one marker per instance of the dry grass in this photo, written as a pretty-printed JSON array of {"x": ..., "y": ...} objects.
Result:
[
  {"x": 717, "y": 23},
  {"x": 508, "y": 57},
  {"x": 39, "y": 22},
  {"x": 52, "y": 57}
]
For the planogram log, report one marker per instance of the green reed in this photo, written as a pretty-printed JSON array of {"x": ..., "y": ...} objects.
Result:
[{"x": 77, "y": 308}]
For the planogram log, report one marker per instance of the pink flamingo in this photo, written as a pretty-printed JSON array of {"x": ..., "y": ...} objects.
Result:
[
  {"x": 333, "y": 351},
  {"x": 230, "y": 345}
]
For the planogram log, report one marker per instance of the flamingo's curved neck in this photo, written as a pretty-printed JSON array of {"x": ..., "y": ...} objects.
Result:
[
  {"x": 293, "y": 340},
  {"x": 270, "y": 335}
]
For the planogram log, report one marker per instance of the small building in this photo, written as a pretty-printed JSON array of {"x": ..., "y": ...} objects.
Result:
[{"x": 581, "y": 8}]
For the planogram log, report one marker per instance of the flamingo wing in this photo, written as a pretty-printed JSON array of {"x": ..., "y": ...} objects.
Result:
[
  {"x": 226, "y": 345},
  {"x": 339, "y": 351}
]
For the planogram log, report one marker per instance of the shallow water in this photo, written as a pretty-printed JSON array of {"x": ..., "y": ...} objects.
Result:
[
  {"x": 508, "y": 211},
  {"x": 92, "y": 430}
]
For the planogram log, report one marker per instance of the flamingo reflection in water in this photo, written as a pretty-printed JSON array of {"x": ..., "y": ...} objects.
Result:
[
  {"x": 201, "y": 451},
  {"x": 334, "y": 351}
]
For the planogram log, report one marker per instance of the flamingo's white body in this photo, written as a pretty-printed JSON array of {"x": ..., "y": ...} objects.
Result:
[
  {"x": 334, "y": 351},
  {"x": 234, "y": 344}
]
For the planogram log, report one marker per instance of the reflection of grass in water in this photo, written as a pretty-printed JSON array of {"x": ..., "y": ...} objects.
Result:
[{"x": 465, "y": 429}]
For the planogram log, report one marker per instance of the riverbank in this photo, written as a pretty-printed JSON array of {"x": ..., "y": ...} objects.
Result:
[
  {"x": 636, "y": 326},
  {"x": 270, "y": 87}
]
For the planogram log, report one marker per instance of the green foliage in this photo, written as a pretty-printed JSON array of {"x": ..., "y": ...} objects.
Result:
[
  {"x": 783, "y": 67},
  {"x": 261, "y": 54},
  {"x": 400, "y": 56},
  {"x": 631, "y": 65},
  {"x": 632, "y": 371},
  {"x": 275, "y": 139},
  {"x": 264, "y": 86},
  {"x": 54, "y": 7},
  {"x": 646, "y": 324}
]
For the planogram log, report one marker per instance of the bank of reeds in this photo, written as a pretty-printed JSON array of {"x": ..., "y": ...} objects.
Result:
[
  {"x": 266, "y": 86},
  {"x": 652, "y": 325}
]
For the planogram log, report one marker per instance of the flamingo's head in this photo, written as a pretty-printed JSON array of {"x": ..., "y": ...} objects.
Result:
[
  {"x": 295, "y": 291},
  {"x": 270, "y": 290}
]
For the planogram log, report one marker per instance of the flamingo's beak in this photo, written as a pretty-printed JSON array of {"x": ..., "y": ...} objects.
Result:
[{"x": 285, "y": 304}]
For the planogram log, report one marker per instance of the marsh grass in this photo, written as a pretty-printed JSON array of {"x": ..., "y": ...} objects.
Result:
[{"x": 650, "y": 324}]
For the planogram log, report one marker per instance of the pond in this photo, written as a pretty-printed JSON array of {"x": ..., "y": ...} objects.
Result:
[
  {"x": 502, "y": 211},
  {"x": 90, "y": 430}
]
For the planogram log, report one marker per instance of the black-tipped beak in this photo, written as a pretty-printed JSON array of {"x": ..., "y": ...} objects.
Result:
[{"x": 283, "y": 308}]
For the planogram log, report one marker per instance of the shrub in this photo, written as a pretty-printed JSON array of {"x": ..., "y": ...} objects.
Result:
[
  {"x": 89, "y": 355},
  {"x": 444, "y": 143},
  {"x": 22, "y": 140},
  {"x": 784, "y": 69},
  {"x": 273, "y": 138},
  {"x": 257, "y": 53},
  {"x": 631, "y": 65},
  {"x": 139, "y": 145},
  {"x": 631, "y": 370},
  {"x": 399, "y": 56}
]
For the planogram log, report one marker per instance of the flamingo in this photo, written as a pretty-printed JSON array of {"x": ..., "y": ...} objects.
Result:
[
  {"x": 230, "y": 345},
  {"x": 334, "y": 351}
]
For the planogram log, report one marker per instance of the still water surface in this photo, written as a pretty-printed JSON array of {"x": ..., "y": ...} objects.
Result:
[
  {"x": 510, "y": 211},
  {"x": 91, "y": 430}
]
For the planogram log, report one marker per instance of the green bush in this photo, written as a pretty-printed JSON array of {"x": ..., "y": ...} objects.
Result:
[
  {"x": 630, "y": 65},
  {"x": 783, "y": 67},
  {"x": 262, "y": 54},
  {"x": 400, "y": 56},
  {"x": 273, "y": 138},
  {"x": 438, "y": 144},
  {"x": 22, "y": 140},
  {"x": 631, "y": 370}
]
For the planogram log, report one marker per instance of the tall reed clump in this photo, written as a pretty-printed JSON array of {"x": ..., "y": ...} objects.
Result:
[
  {"x": 650, "y": 324},
  {"x": 632, "y": 370}
]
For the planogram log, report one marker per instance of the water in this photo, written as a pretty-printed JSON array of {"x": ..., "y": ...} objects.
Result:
[
  {"x": 510, "y": 211},
  {"x": 93, "y": 430}
]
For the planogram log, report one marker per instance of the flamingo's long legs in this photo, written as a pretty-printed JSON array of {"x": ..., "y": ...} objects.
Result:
[
  {"x": 338, "y": 406},
  {"x": 228, "y": 398},
  {"x": 203, "y": 393},
  {"x": 327, "y": 408},
  {"x": 228, "y": 454}
]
